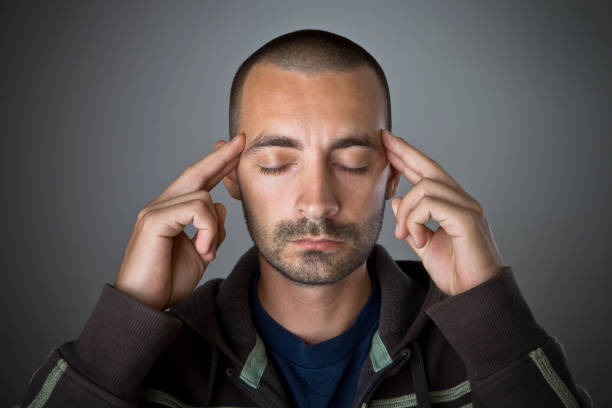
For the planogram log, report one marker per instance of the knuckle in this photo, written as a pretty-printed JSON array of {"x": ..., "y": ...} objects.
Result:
[
  {"x": 142, "y": 213},
  {"x": 426, "y": 181},
  {"x": 206, "y": 218},
  {"x": 204, "y": 195},
  {"x": 424, "y": 187},
  {"x": 412, "y": 212},
  {"x": 148, "y": 218},
  {"x": 427, "y": 200},
  {"x": 199, "y": 206},
  {"x": 472, "y": 217},
  {"x": 402, "y": 206}
]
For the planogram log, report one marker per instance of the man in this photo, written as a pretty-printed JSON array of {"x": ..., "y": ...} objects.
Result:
[{"x": 316, "y": 314}]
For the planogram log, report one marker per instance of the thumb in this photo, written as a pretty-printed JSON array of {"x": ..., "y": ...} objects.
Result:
[
  {"x": 200, "y": 244},
  {"x": 221, "y": 213}
]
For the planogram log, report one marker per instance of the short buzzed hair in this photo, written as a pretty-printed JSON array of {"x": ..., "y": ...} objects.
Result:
[{"x": 309, "y": 51}]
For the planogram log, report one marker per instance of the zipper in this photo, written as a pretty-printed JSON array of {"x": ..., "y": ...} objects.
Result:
[
  {"x": 257, "y": 397},
  {"x": 380, "y": 377}
]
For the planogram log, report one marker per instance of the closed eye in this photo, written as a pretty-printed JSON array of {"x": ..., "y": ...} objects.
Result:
[
  {"x": 353, "y": 170},
  {"x": 275, "y": 171}
]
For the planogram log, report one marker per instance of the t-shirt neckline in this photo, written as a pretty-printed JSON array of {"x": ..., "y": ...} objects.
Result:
[{"x": 322, "y": 354}]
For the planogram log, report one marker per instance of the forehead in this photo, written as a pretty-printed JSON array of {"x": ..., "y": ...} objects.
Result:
[{"x": 311, "y": 107}]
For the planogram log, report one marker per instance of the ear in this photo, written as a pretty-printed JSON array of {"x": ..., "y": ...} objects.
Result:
[
  {"x": 231, "y": 184},
  {"x": 392, "y": 182},
  {"x": 231, "y": 180}
]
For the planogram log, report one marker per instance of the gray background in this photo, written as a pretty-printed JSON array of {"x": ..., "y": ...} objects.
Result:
[{"x": 106, "y": 103}]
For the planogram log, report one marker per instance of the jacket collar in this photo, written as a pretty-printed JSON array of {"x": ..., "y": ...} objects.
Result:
[
  {"x": 219, "y": 310},
  {"x": 407, "y": 291}
]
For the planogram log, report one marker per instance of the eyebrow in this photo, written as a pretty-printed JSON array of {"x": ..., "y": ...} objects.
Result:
[{"x": 273, "y": 140}]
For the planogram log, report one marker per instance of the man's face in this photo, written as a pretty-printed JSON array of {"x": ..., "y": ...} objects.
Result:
[{"x": 313, "y": 174}]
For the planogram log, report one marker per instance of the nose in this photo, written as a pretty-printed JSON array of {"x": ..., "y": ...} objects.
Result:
[{"x": 316, "y": 199}]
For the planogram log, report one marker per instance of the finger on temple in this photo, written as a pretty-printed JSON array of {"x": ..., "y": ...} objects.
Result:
[
  {"x": 211, "y": 168},
  {"x": 414, "y": 162}
]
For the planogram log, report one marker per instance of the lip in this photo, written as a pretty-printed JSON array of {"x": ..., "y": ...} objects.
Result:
[{"x": 317, "y": 244}]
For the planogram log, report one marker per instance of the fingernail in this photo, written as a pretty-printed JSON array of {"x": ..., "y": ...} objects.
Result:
[{"x": 395, "y": 204}]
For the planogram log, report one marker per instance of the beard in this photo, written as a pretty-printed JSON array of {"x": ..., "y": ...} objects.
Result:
[{"x": 314, "y": 267}]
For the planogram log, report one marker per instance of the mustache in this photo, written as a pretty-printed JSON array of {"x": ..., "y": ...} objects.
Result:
[{"x": 293, "y": 230}]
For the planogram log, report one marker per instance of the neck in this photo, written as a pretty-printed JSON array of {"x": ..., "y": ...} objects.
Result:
[{"x": 313, "y": 313}]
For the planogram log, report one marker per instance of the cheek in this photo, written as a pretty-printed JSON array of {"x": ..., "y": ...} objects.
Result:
[
  {"x": 365, "y": 198},
  {"x": 367, "y": 188}
]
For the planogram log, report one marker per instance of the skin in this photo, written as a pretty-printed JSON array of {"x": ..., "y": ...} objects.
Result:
[{"x": 162, "y": 265}]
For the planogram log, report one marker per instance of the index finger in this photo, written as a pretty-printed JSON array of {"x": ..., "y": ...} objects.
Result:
[
  {"x": 208, "y": 171},
  {"x": 413, "y": 163}
]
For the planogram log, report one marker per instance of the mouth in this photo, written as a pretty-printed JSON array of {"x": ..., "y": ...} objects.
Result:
[{"x": 317, "y": 244}]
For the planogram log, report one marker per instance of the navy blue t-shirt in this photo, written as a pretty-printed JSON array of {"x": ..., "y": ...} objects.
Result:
[{"x": 324, "y": 374}]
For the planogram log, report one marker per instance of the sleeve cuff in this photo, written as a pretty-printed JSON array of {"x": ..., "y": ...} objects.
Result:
[
  {"x": 120, "y": 343},
  {"x": 489, "y": 325}
]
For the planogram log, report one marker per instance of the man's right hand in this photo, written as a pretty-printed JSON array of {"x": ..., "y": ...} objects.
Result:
[{"x": 162, "y": 265}]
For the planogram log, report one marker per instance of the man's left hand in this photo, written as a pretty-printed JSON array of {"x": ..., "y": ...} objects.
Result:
[{"x": 462, "y": 253}]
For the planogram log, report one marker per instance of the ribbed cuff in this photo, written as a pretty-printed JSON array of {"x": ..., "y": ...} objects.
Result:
[
  {"x": 489, "y": 325},
  {"x": 120, "y": 343}
]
